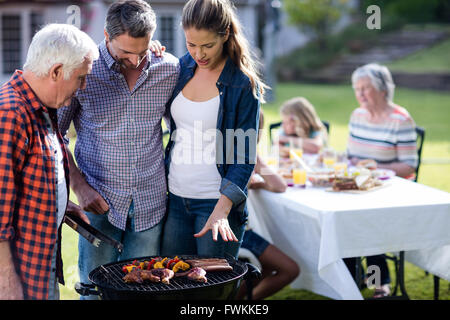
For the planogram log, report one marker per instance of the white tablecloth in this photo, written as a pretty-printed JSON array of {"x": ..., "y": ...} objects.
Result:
[
  {"x": 318, "y": 228},
  {"x": 434, "y": 260}
]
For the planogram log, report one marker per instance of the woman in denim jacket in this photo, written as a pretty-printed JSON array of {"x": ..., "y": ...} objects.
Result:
[{"x": 214, "y": 114}]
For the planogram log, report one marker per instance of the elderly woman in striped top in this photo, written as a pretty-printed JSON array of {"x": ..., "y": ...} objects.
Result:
[{"x": 382, "y": 134}]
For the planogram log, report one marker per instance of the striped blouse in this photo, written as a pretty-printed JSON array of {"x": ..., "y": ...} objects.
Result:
[{"x": 393, "y": 140}]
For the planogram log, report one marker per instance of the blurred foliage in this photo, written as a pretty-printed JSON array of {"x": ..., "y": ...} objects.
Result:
[
  {"x": 319, "y": 16},
  {"x": 354, "y": 37},
  {"x": 316, "y": 16},
  {"x": 413, "y": 11}
]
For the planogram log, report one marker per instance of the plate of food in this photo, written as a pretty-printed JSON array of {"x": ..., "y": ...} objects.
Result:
[
  {"x": 359, "y": 183},
  {"x": 383, "y": 174}
]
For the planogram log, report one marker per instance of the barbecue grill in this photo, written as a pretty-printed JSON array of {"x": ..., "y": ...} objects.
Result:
[{"x": 222, "y": 285}]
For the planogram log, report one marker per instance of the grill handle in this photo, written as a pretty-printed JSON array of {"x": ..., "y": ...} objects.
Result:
[
  {"x": 253, "y": 273},
  {"x": 85, "y": 289}
]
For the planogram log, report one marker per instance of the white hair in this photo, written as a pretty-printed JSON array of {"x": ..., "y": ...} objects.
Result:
[
  {"x": 59, "y": 43},
  {"x": 380, "y": 77}
]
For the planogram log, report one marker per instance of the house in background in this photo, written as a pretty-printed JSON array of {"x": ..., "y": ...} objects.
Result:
[
  {"x": 263, "y": 23},
  {"x": 20, "y": 19}
]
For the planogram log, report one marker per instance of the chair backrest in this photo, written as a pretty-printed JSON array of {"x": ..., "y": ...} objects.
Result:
[
  {"x": 271, "y": 128},
  {"x": 327, "y": 125},
  {"x": 420, "y": 138},
  {"x": 278, "y": 124}
]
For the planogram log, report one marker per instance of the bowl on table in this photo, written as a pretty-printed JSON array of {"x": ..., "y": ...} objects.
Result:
[{"x": 322, "y": 177}]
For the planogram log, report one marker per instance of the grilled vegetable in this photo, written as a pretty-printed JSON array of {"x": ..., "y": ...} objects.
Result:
[
  {"x": 172, "y": 262},
  {"x": 180, "y": 265},
  {"x": 129, "y": 267},
  {"x": 175, "y": 264}
]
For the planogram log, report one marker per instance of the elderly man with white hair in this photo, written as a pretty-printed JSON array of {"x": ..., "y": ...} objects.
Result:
[
  {"x": 382, "y": 134},
  {"x": 33, "y": 161}
]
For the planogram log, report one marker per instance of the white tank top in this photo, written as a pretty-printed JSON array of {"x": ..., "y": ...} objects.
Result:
[{"x": 193, "y": 172}]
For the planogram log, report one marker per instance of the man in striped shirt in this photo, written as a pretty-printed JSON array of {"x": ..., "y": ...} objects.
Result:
[{"x": 120, "y": 178}]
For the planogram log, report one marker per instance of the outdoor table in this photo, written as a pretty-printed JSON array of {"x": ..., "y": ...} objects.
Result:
[
  {"x": 433, "y": 260},
  {"x": 318, "y": 228}
]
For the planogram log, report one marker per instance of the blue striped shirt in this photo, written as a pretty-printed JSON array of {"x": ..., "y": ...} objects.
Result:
[
  {"x": 392, "y": 140},
  {"x": 119, "y": 138}
]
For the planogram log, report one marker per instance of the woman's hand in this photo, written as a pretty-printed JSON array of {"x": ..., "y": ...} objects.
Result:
[
  {"x": 367, "y": 163},
  {"x": 156, "y": 47},
  {"x": 218, "y": 221}
]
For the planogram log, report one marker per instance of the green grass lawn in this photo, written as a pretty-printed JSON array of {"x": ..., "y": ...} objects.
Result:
[
  {"x": 434, "y": 59},
  {"x": 334, "y": 103}
]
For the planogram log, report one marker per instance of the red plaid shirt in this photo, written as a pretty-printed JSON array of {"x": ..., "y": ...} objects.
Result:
[{"x": 28, "y": 208}]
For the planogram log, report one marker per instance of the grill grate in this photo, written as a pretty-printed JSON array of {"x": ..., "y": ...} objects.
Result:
[{"x": 110, "y": 276}]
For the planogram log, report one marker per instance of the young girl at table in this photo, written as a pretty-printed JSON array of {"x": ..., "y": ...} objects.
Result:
[
  {"x": 278, "y": 269},
  {"x": 300, "y": 122}
]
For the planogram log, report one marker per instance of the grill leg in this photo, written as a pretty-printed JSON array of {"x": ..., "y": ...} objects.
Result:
[
  {"x": 249, "y": 285},
  {"x": 253, "y": 273}
]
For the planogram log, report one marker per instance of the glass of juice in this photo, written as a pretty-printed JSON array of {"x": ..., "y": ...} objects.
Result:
[
  {"x": 340, "y": 167},
  {"x": 299, "y": 177},
  {"x": 296, "y": 146},
  {"x": 329, "y": 157}
]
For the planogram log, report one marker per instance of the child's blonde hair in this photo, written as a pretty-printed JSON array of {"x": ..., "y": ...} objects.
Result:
[{"x": 304, "y": 115}]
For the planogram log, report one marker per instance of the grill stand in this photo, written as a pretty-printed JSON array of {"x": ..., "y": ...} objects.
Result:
[{"x": 253, "y": 273}]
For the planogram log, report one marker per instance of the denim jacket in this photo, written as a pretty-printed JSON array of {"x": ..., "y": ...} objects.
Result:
[{"x": 238, "y": 109}]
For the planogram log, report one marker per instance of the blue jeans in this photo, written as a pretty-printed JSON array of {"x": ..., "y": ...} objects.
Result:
[
  {"x": 254, "y": 242},
  {"x": 136, "y": 244},
  {"x": 53, "y": 287},
  {"x": 187, "y": 217}
]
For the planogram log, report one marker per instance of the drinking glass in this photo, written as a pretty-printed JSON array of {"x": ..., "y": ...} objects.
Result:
[
  {"x": 340, "y": 167},
  {"x": 329, "y": 157},
  {"x": 296, "y": 146},
  {"x": 299, "y": 176}
]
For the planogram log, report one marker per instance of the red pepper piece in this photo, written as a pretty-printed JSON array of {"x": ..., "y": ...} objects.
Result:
[{"x": 151, "y": 263}]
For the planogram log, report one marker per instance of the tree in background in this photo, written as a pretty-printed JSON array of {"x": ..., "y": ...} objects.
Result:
[
  {"x": 413, "y": 11},
  {"x": 315, "y": 16}
]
